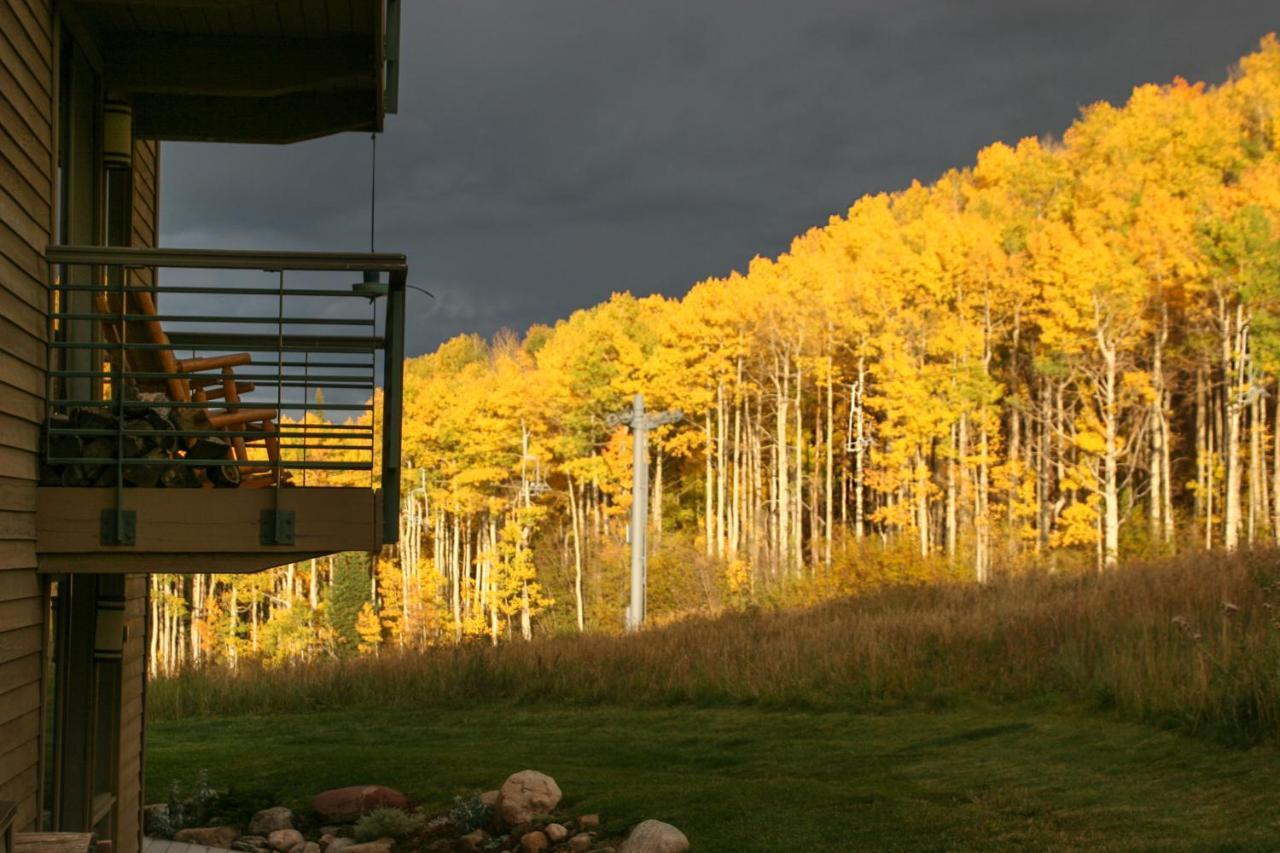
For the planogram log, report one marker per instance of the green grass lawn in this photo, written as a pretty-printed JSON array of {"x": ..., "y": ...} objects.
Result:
[{"x": 741, "y": 779}]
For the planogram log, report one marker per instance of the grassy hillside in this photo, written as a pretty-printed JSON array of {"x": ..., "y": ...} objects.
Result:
[{"x": 1191, "y": 644}]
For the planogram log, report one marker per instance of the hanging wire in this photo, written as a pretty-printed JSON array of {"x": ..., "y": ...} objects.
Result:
[{"x": 373, "y": 189}]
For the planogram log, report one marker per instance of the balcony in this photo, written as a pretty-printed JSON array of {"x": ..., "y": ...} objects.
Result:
[{"x": 219, "y": 411}]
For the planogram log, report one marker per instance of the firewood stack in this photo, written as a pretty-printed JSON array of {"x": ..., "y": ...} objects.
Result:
[{"x": 149, "y": 434}]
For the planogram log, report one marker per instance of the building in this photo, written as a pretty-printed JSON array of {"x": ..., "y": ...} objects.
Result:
[{"x": 153, "y": 402}]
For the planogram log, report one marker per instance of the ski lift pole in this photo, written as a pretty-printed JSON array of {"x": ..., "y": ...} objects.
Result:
[{"x": 641, "y": 423}]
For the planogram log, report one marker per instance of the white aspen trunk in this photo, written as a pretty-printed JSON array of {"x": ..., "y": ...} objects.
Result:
[
  {"x": 655, "y": 502},
  {"x": 1256, "y": 492},
  {"x": 982, "y": 546},
  {"x": 455, "y": 590},
  {"x": 1235, "y": 366},
  {"x": 233, "y": 623},
  {"x": 735, "y": 500},
  {"x": 708, "y": 497},
  {"x": 782, "y": 495},
  {"x": 797, "y": 558},
  {"x": 952, "y": 490},
  {"x": 859, "y": 453},
  {"x": 577, "y": 555},
  {"x": 722, "y": 438},
  {"x": 922, "y": 502},
  {"x": 1110, "y": 488},
  {"x": 830, "y": 489},
  {"x": 1275, "y": 473}
]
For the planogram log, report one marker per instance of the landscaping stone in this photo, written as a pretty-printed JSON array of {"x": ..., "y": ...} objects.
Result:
[
  {"x": 382, "y": 845},
  {"x": 534, "y": 842},
  {"x": 589, "y": 821},
  {"x": 580, "y": 843},
  {"x": 208, "y": 836},
  {"x": 556, "y": 832},
  {"x": 340, "y": 844},
  {"x": 489, "y": 798},
  {"x": 269, "y": 820},
  {"x": 526, "y": 794},
  {"x": 474, "y": 841},
  {"x": 311, "y": 847},
  {"x": 346, "y": 805},
  {"x": 654, "y": 836},
  {"x": 284, "y": 840}
]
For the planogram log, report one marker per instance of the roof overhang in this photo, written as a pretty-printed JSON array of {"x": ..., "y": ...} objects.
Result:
[{"x": 266, "y": 71}]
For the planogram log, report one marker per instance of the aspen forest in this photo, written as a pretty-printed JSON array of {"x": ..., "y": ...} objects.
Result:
[{"x": 1060, "y": 358}]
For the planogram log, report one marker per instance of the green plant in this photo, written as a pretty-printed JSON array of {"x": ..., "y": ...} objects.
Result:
[
  {"x": 389, "y": 823},
  {"x": 469, "y": 814}
]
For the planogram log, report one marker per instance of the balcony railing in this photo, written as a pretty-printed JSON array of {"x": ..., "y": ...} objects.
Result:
[{"x": 224, "y": 369}]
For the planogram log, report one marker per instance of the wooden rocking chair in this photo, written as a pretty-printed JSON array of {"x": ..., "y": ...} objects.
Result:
[{"x": 180, "y": 388}]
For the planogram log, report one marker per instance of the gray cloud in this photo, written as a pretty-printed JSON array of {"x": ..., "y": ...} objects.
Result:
[{"x": 548, "y": 153}]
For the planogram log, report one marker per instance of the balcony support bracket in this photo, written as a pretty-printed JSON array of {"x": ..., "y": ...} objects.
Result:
[
  {"x": 277, "y": 526},
  {"x": 119, "y": 527}
]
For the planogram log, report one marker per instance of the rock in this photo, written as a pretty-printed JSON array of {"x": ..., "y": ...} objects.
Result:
[
  {"x": 341, "y": 831},
  {"x": 382, "y": 845},
  {"x": 346, "y": 805},
  {"x": 589, "y": 821},
  {"x": 250, "y": 843},
  {"x": 654, "y": 836},
  {"x": 556, "y": 832},
  {"x": 534, "y": 842},
  {"x": 580, "y": 843},
  {"x": 526, "y": 794},
  {"x": 340, "y": 844},
  {"x": 473, "y": 841},
  {"x": 284, "y": 840},
  {"x": 489, "y": 798},
  {"x": 210, "y": 836},
  {"x": 311, "y": 847},
  {"x": 269, "y": 820}
]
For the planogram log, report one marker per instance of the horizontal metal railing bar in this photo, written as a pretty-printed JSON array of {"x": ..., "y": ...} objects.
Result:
[
  {"x": 283, "y": 465},
  {"x": 227, "y": 259},
  {"x": 211, "y": 433},
  {"x": 262, "y": 378},
  {"x": 212, "y": 404},
  {"x": 208, "y": 318},
  {"x": 214, "y": 290},
  {"x": 184, "y": 338},
  {"x": 336, "y": 349}
]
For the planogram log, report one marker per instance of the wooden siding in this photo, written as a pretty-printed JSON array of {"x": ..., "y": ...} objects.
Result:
[
  {"x": 26, "y": 216},
  {"x": 27, "y": 86}
]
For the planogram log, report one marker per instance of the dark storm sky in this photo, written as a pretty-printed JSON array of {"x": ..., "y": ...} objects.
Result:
[{"x": 549, "y": 152}]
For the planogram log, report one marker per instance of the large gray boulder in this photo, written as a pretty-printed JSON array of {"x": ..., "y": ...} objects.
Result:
[
  {"x": 269, "y": 820},
  {"x": 526, "y": 794},
  {"x": 654, "y": 836},
  {"x": 285, "y": 840}
]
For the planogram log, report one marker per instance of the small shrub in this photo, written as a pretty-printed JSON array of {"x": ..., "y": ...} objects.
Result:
[
  {"x": 469, "y": 814},
  {"x": 389, "y": 823}
]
